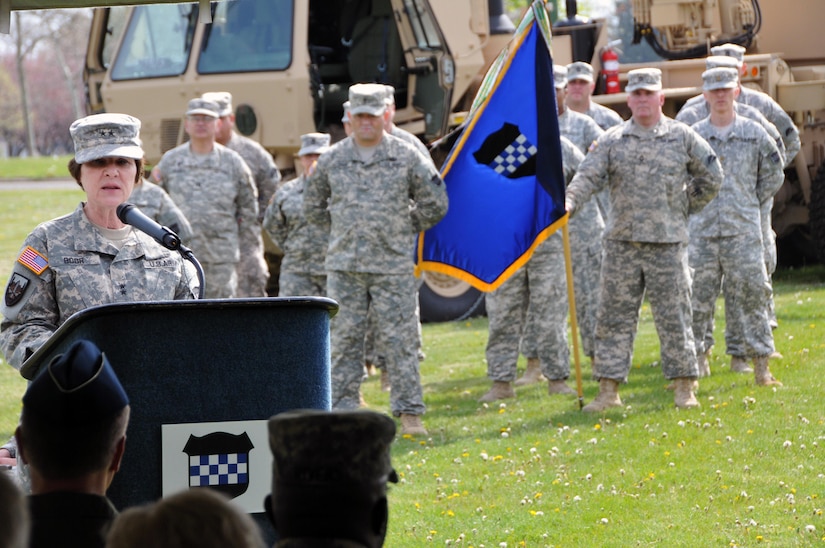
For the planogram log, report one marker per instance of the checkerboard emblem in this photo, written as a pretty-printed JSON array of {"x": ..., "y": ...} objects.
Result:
[
  {"x": 219, "y": 460},
  {"x": 508, "y": 152}
]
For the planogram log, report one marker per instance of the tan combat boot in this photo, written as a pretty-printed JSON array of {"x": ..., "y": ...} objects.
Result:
[
  {"x": 762, "y": 373},
  {"x": 738, "y": 364},
  {"x": 411, "y": 425},
  {"x": 501, "y": 390},
  {"x": 703, "y": 361},
  {"x": 608, "y": 397},
  {"x": 532, "y": 374},
  {"x": 558, "y": 387},
  {"x": 385, "y": 381},
  {"x": 683, "y": 395}
]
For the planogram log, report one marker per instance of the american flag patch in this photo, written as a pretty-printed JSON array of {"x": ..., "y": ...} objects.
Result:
[{"x": 33, "y": 260}]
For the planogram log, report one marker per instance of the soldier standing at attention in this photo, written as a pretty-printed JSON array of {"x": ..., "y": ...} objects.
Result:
[
  {"x": 726, "y": 236},
  {"x": 304, "y": 244},
  {"x": 530, "y": 309},
  {"x": 658, "y": 172},
  {"x": 252, "y": 269},
  {"x": 213, "y": 187},
  {"x": 580, "y": 87},
  {"x": 377, "y": 192}
]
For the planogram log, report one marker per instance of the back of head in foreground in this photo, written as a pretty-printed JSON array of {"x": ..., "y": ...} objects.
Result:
[
  {"x": 72, "y": 431},
  {"x": 14, "y": 515},
  {"x": 198, "y": 518},
  {"x": 329, "y": 478}
]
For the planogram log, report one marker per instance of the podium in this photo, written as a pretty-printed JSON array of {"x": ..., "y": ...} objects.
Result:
[{"x": 202, "y": 361}]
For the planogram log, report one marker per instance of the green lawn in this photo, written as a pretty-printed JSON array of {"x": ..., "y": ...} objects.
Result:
[
  {"x": 40, "y": 167},
  {"x": 746, "y": 469}
]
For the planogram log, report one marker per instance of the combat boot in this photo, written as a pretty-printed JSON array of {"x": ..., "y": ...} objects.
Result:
[
  {"x": 608, "y": 397},
  {"x": 762, "y": 373},
  {"x": 501, "y": 390},
  {"x": 385, "y": 381},
  {"x": 703, "y": 361},
  {"x": 738, "y": 364},
  {"x": 683, "y": 395},
  {"x": 411, "y": 425},
  {"x": 532, "y": 374},
  {"x": 558, "y": 387}
]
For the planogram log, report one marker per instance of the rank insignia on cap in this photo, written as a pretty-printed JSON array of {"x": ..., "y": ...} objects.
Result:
[
  {"x": 16, "y": 289},
  {"x": 508, "y": 152},
  {"x": 33, "y": 260},
  {"x": 221, "y": 461}
]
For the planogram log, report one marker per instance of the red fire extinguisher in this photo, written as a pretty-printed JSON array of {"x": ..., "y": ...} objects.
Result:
[{"x": 610, "y": 67}]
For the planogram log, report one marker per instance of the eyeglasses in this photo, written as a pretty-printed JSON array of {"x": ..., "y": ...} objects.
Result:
[{"x": 200, "y": 119}]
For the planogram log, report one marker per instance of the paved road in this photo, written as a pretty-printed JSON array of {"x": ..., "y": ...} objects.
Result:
[{"x": 49, "y": 184}]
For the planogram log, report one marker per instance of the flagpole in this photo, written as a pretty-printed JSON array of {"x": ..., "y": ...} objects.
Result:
[{"x": 571, "y": 301}]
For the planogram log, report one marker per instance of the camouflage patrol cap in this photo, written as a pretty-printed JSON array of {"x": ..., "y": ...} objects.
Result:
[
  {"x": 203, "y": 107},
  {"x": 314, "y": 143},
  {"x": 331, "y": 447},
  {"x": 644, "y": 78},
  {"x": 730, "y": 50},
  {"x": 580, "y": 71},
  {"x": 559, "y": 76},
  {"x": 715, "y": 61},
  {"x": 720, "y": 78},
  {"x": 367, "y": 99},
  {"x": 75, "y": 387},
  {"x": 102, "y": 135},
  {"x": 224, "y": 100},
  {"x": 345, "y": 118}
]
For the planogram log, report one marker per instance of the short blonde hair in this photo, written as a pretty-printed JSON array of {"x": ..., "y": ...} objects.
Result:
[{"x": 199, "y": 516}]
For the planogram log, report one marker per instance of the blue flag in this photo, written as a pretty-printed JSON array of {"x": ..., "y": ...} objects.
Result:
[{"x": 504, "y": 174}]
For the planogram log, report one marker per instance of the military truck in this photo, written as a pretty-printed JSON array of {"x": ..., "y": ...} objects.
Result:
[
  {"x": 785, "y": 59},
  {"x": 288, "y": 65}
]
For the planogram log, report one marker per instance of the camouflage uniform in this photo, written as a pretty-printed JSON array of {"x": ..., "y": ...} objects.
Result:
[
  {"x": 252, "y": 269},
  {"x": 156, "y": 204},
  {"x": 84, "y": 270},
  {"x": 656, "y": 177},
  {"x": 604, "y": 116},
  {"x": 531, "y": 306},
  {"x": 586, "y": 230},
  {"x": 304, "y": 243},
  {"x": 216, "y": 194},
  {"x": 726, "y": 236},
  {"x": 369, "y": 258},
  {"x": 695, "y": 113}
]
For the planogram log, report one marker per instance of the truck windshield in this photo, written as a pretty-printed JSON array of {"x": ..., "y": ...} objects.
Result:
[{"x": 246, "y": 35}]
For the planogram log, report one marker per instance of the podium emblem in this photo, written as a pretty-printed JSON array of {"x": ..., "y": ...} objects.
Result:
[{"x": 219, "y": 460}]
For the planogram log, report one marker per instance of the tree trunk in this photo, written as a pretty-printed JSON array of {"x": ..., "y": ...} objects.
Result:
[{"x": 20, "y": 56}]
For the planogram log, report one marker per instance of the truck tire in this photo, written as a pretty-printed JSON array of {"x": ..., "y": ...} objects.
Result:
[
  {"x": 446, "y": 299},
  {"x": 816, "y": 212}
]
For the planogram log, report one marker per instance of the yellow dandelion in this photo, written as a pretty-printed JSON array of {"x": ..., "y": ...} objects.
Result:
[
  {"x": 537, "y": 496},
  {"x": 597, "y": 426},
  {"x": 450, "y": 513},
  {"x": 407, "y": 436}
]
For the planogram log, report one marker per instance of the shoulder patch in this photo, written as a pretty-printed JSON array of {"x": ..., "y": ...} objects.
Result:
[
  {"x": 33, "y": 260},
  {"x": 16, "y": 288}
]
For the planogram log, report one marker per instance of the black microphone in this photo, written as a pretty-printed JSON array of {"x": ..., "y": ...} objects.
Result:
[{"x": 131, "y": 215}]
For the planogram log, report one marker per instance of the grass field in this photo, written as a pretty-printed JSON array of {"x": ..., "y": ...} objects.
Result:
[
  {"x": 746, "y": 469},
  {"x": 40, "y": 167}
]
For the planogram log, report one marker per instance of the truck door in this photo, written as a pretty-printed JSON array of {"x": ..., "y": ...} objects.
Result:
[
  {"x": 429, "y": 63},
  {"x": 107, "y": 26}
]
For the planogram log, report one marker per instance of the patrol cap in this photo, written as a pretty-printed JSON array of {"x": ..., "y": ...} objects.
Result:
[
  {"x": 75, "y": 387},
  {"x": 346, "y": 447},
  {"x": 715, "y": 61},
  {"x": 580, "y": 71},
  {"x": 730, "y": 50},
  {"x": 559, "y": 76},
  {"x": 202, "y": 106},
  {"x": 390, "y": 91},
  {"x": 224, "y": 100},
  {"x": 314, "y": 143},
  {"x": 367, "y": 99},
  {"x": 644, "y": 78},
  {"x": 720, "y": 78},
  {"x": 101, "y": 135}
]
